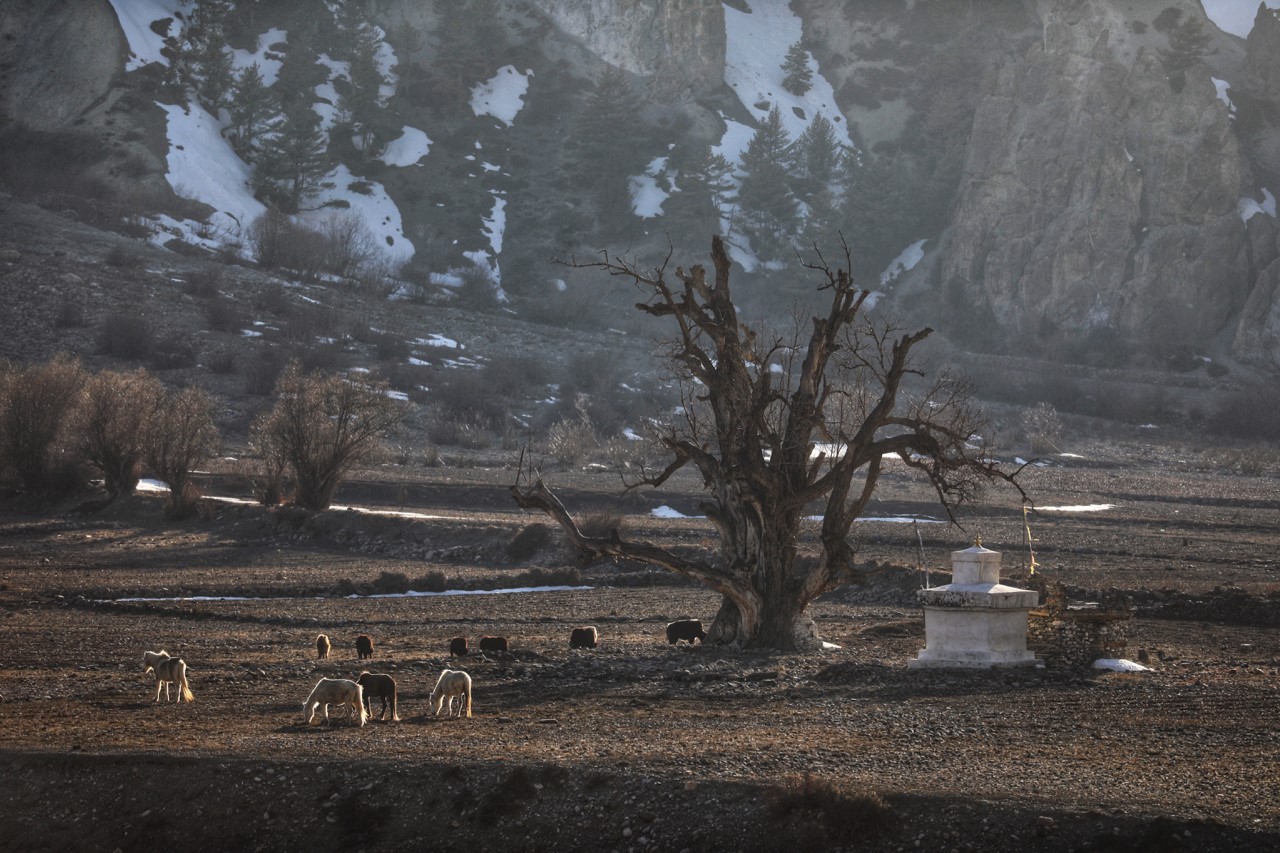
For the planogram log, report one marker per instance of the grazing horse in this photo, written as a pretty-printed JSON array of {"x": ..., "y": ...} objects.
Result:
[
  {"x": 334, "y": 691},
  {"x": 322, "y": 646},
  {"x": 452, "y": 682},
  {"x": 364, "y": 646},
  {"x": 168, "y": 670},
  {"x": 379, "y": 686},
  {"x": 496, "y": 645},
  {"x": 685, "y": 629},
  {"x": 458, "y": 647}
]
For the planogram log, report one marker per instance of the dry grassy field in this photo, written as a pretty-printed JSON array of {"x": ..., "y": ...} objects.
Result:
[{"x": 636, "y": 745}]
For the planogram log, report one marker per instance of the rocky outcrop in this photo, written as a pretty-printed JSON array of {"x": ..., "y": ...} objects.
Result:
[
  {"x": 56, "y": 66},
  {"x": 678, "y": 44},
  {"x": 1095, "y": 195},
  {"x": 1262, "y": 55}
]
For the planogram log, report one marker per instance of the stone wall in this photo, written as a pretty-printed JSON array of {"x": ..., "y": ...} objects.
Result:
[{"x": 1075, "y": 635}]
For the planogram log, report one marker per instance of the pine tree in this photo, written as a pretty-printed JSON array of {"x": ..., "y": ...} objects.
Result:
[
  {"x": 361, "y": 94},
  {"x": 797, "y": 79},
  {"x": 816, "y": 158},
  {"x": 469, "y": 36},
  {"x": 876, "y": 215},
  {"x": 300, "y": 71},
  {"x": 704, "y": 181},
  {"x": 765, "y": 201},
  {"x": 604, "y": 151},
  {"x": 251, "y": 108},
  {"x": 293, "y": 162},
  {"x": 201, "y": 62}
]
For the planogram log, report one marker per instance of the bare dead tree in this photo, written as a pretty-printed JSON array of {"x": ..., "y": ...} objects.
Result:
[
  {"x": 776, "y": 426},
  {"x": 323, "y": 426}
]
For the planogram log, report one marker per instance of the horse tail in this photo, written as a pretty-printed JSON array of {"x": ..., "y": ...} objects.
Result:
[
  {"x": 395, "y": 716},
  {"x": 184, "y": 689},
  {"x": 468, "y": 699}
]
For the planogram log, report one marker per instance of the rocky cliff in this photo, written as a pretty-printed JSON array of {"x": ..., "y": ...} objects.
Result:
[
  {"x": 1095, "y": 195},
  {"x": 678, "y": 45}
]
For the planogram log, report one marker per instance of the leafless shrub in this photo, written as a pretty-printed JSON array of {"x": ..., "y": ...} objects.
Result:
[
  {"x": 127, "y": 336},
  {"x": 116, "y": 414},
  {"x": 351, "y": 245},
  {"x": 174, "y": 351},
  {"x": 70, "y": 315},
  {"x": 844, "y": 814},
  {"x": 601, "y": 522},
  {"x": 324, "y": 426},
  {"x": 222, "y": 362},
  {"x": 1043, "y": 428},
  {"x": 124, "y": 257},
  {"x": 180, "y": 436},
  {"x": 206, "y": 282},
  {"x": 570, "y": 440},
  {"x": 263, "y": 371},
  {"x": 37, "y": 404},
  {"x": 223, "y": 315}
]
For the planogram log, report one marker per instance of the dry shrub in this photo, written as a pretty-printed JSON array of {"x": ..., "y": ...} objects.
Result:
[
  {"x": 844, "y": 814},
  {"x": 127, "y": 336},
  {"x": 37, "y": 406},
  {"x": 1043, "y": 428},
  {"x": 389, "y": 583},
  {"x": 570, "y": 440},
  {"x": 601, "y": 522},
  {"x": 180, "y": 436},
  {"x": 115, "y": 417},
  {"x": 206, "y": 282},
  {"x": 223, "y": 314},
  {"x": 433, "y": 581},
  {"x": 124, "y": 257},
  {"x": 173, "y": 351}
]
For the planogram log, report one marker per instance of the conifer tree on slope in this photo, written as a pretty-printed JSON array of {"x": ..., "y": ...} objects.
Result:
[{"x": 766, "y": 204}]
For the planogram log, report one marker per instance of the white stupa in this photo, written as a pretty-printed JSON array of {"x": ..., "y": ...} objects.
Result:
[{"x": 975, "y": 622}]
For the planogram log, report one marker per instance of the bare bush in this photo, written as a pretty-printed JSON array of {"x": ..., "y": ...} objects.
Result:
[
  {"x": 571, "y": 439},
  {"x": 174, "y": 351},
  {"x": 37, "y": 405},
  {"x": 1043, "y": 428},
  {"x": 206, "y": 282},
  {"x": 114, "y": 419},
  {"x": 124, "y": 257},
  {"x": 223, "y": 315},
  {"x": 263, "y": 371},
  {"x": 351, "y": 245},
  {"x": 180, "y": 436},
  {"x": 845, "y": 815},
  {"x": 127, "y": 336},
  {"x": 324, "y": 426}
]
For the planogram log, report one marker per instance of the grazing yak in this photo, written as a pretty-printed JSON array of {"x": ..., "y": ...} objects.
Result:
[
  {"x": 322, "y": 646},
  {"x": 685, "y": 629},
  {"x": 497, "y": 645},
  {"x": 364, "y": 646},
  {"x": 452, "y": 682},
  {"x": 168, "y": 670},
  {"x": 334, "y": 691},
  {"x": 379, "y": 686},
  {"x": 458, "y": 647},
  {"x": 584, "y": 638}
]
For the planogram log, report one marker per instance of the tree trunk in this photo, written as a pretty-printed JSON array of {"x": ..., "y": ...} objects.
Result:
[{"x": 782, "y": 624}]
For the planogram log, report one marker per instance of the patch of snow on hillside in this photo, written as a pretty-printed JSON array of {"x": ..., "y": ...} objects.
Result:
[
  {"x": 496, "y": 225},
  {"x": 408, "y": 148},
  {"x": 386, "y": 62},
  {"x": 907, "y": 260},
  {"x": 646, "y": 196},
  {"x": 756, "y": 46},
  {"x": 1077, "y": 508},
  {"x": 375, "y": 207},
  {"x": 1235, "y": 16},
  {"x": 502, "y": 96},
  {"x": 269, "y": 67},
  {"x": 202, "y": 166},
  {"x": 136, "y": 17},
  {"x": 1247, "y": 207},
  {"x": 327, "y": 106},
  {"x": 1222, "y": 87}
]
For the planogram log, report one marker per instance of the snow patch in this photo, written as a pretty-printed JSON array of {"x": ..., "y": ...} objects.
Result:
[
  {"x": 1119, "y": 665},
  {"x": 905, "y": 261},
  {"x": 136, "y": 17},
  {"x": 502, "y": 95},
  {"x": 375, "y": 207},
  {"x": 1248, "y": 208},
  {"x": 203, "y": 167},
  {"x": 268, "y": 67},
  {"x": 408, "y": 148},
  {"x": 1077, "y": 508}
]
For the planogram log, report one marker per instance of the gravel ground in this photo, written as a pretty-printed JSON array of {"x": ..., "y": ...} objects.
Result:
[{"x": 635, "y": 745}]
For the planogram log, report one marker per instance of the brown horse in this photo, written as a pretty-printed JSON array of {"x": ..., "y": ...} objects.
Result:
[{"x": 379, "y": 686}]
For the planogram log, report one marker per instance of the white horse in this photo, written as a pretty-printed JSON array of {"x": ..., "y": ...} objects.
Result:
[
  {"x": 452, "y": 682},
  {"x": 334, "y": 691},
  {"x": 168, "y": 670}
]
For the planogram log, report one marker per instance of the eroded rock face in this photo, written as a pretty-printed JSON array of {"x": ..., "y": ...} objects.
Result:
[
  {"x": 1262, "y": 55},
  {"x": 56, "y": 66},
  {"x": 1095, "y": 195},
  {"x": 678, "y": 44}
]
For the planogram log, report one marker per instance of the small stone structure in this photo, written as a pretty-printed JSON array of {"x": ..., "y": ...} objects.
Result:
[
  {"x": 1076, "y": 635},
  {"x": 975, "y": 622}
]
